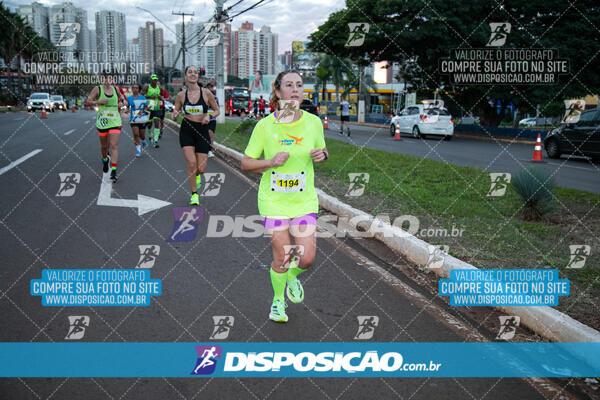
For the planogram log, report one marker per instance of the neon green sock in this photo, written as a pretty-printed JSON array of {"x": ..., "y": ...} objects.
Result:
[
  {"x": 278, "y": 282},
  {"x": 293, "y": 271},
  {"x": 156, "y": 133}
]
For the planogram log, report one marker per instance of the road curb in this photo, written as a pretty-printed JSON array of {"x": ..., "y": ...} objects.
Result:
[{"x": 545, "y": 321}]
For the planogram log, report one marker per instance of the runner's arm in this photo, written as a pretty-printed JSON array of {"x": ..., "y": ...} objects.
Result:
[
  {"x": 178, "y": 105},
  {"x": 93, "y": 97},
  {"x": 255, "y": 165}
]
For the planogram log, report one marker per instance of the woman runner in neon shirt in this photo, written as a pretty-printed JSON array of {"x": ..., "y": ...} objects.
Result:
[{"x": 287, "y": 199}]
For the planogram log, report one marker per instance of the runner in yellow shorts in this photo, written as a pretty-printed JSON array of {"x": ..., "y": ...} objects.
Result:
[{"x": 287, "y": 199}]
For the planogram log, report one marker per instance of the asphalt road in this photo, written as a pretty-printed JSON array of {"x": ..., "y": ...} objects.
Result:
[
  {"x": 574, "y": 172},
  {"x": 201, "y": 278}
]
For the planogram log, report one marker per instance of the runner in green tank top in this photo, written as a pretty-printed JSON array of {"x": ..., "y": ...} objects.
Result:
[
  {"x": 152, "y": 92},
  {"x": 108, "y": 121},
  {"x": 287, "y": 199}
]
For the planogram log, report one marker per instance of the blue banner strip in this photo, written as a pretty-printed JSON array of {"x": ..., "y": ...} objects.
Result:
[{"x": 234, "y": 359}]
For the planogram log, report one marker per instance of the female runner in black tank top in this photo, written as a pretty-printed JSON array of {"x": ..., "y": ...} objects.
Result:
[{"x": 193, "y": 134}]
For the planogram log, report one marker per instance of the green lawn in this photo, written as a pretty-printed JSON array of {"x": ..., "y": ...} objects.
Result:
[{"x": 446, "y": 196}]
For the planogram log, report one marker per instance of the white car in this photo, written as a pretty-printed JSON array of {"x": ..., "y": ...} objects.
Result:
[
  {"x": 39, "y": 101},
  {"x": 528, "y": 122},
  {"x": 420, "y": 120}
]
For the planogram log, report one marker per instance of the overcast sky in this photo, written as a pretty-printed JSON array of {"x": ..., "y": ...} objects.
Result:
[{"x": 290, "y": 19}]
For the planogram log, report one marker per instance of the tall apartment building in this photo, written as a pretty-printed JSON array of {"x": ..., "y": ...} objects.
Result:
[
  {"x": 68, "y": 28},
  {"x": 253, "y": 51},
  {"x": 151, "y": 42},
  {"x": 37, "y": 16},
  {"x": 133, "y": 50},
  {"x": 111, "y": 36}
]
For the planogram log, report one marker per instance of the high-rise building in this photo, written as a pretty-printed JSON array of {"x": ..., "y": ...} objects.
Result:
[
  {"x": 38, "y": 17},
  {"x": 151, "y": 42},
  {"x": 286, "y": 60},
  {"x": 253, "y": 51},
  {"x": 92, "y": 40},
  {"x": 111, "y": 36},
  {"x": 133, "y": 50},
  {"x": 69, "y": 31},
  {"x": 170, "y": 52}
]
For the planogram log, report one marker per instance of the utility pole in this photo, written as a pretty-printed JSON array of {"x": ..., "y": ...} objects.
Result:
[
  {"x": 220, "y": 17},
  {"x": 182, "y": 32}
]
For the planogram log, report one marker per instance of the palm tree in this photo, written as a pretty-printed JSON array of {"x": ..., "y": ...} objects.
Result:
[{"x": 339, "y": 68}]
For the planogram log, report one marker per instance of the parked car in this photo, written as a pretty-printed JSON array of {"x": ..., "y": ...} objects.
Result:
[
  {"x": 58, "y": 103},
  {"x": 581, "y": 138},
  {"x": 308, "y": 105},
  {"x": 420, "y": 120},
  {"x": 528, "y": 122},
  {"x": 169, "y": 106},
  {"x": 38, "y": 101}
]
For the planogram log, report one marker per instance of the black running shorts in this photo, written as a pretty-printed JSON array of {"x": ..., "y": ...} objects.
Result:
[{"x": 194, "y": 134}]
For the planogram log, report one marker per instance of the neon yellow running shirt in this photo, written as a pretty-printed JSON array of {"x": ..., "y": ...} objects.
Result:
[
  {"x": 108, "y": 114},
  {"x": 152, "y": 96},
  {"x": 287, "y": 191}
]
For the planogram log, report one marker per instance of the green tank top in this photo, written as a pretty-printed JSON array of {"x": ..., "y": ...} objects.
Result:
[
  {"x": 108, "y": 114},
  {"x": 152, "y": 96}
]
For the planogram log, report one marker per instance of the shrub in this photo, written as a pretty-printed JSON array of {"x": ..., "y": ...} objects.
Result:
[{"x": 535, "y": 187}]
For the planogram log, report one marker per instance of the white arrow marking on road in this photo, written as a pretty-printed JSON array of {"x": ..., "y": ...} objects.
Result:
[
  {"x": 87, "y": 122},
  {"x": 143, "y": 203},
  {"x": 19, "y": 161},
  {"x": 69, "y": 132}
]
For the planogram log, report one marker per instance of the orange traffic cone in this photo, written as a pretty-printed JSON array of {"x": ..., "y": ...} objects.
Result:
[
  {"x": 73, "y": 109},
  {"x": 537, "y": 150},
  {"x": 44, "y": 113},
  {"x": 397, "y": 133},
  {"x": 325, "y": 125}
]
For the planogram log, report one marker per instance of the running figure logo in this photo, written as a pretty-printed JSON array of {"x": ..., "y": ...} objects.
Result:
[
  {"x": 286, "y": 112},
  {"x": 579, "y": 253},
  {"x": 432, "y": 110},
  {"x": 77, "y": 325},
  {"x": 358, "y": 183},
  {"x": 500, "y": 31},
  {"x": 68, "y": 183},
  {"x": 212, "y": 184},
  {"x": 207, "y": 359},
  {"x": 186, "y": 223},
  {"x": 500, "y": 182},
  {"x": 68, "y": 33},
  {"x": 508, "y": 327},
  {"x": 148, "y": 254},
  {"x": 437, "y": 254},
  {"x": 292, "y": 253},
  {"x": 358, "y": 32},
  {"x": 573, "y": 110},
  {"x": 211, "y": 32},
  {"x": 366, "y": 326},
  {"x": 223, "y": 324}
]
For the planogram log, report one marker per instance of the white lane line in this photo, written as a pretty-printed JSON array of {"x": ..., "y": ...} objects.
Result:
[
  {"x": 87, "y": 122},
  {"x": 19, "y": 161},
  {"x": 69, "y": 132}
]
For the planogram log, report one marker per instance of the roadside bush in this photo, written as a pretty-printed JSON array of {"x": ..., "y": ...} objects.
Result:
[
  {"x": 535, "y": 187},
  {"x": 246, "y": 127}
]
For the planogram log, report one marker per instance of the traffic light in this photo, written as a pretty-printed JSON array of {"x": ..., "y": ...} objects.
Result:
[{"x": 202, "y": 72}]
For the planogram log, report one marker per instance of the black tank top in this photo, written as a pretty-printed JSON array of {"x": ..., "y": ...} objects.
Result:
[{"x": 195, "y": 109}]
